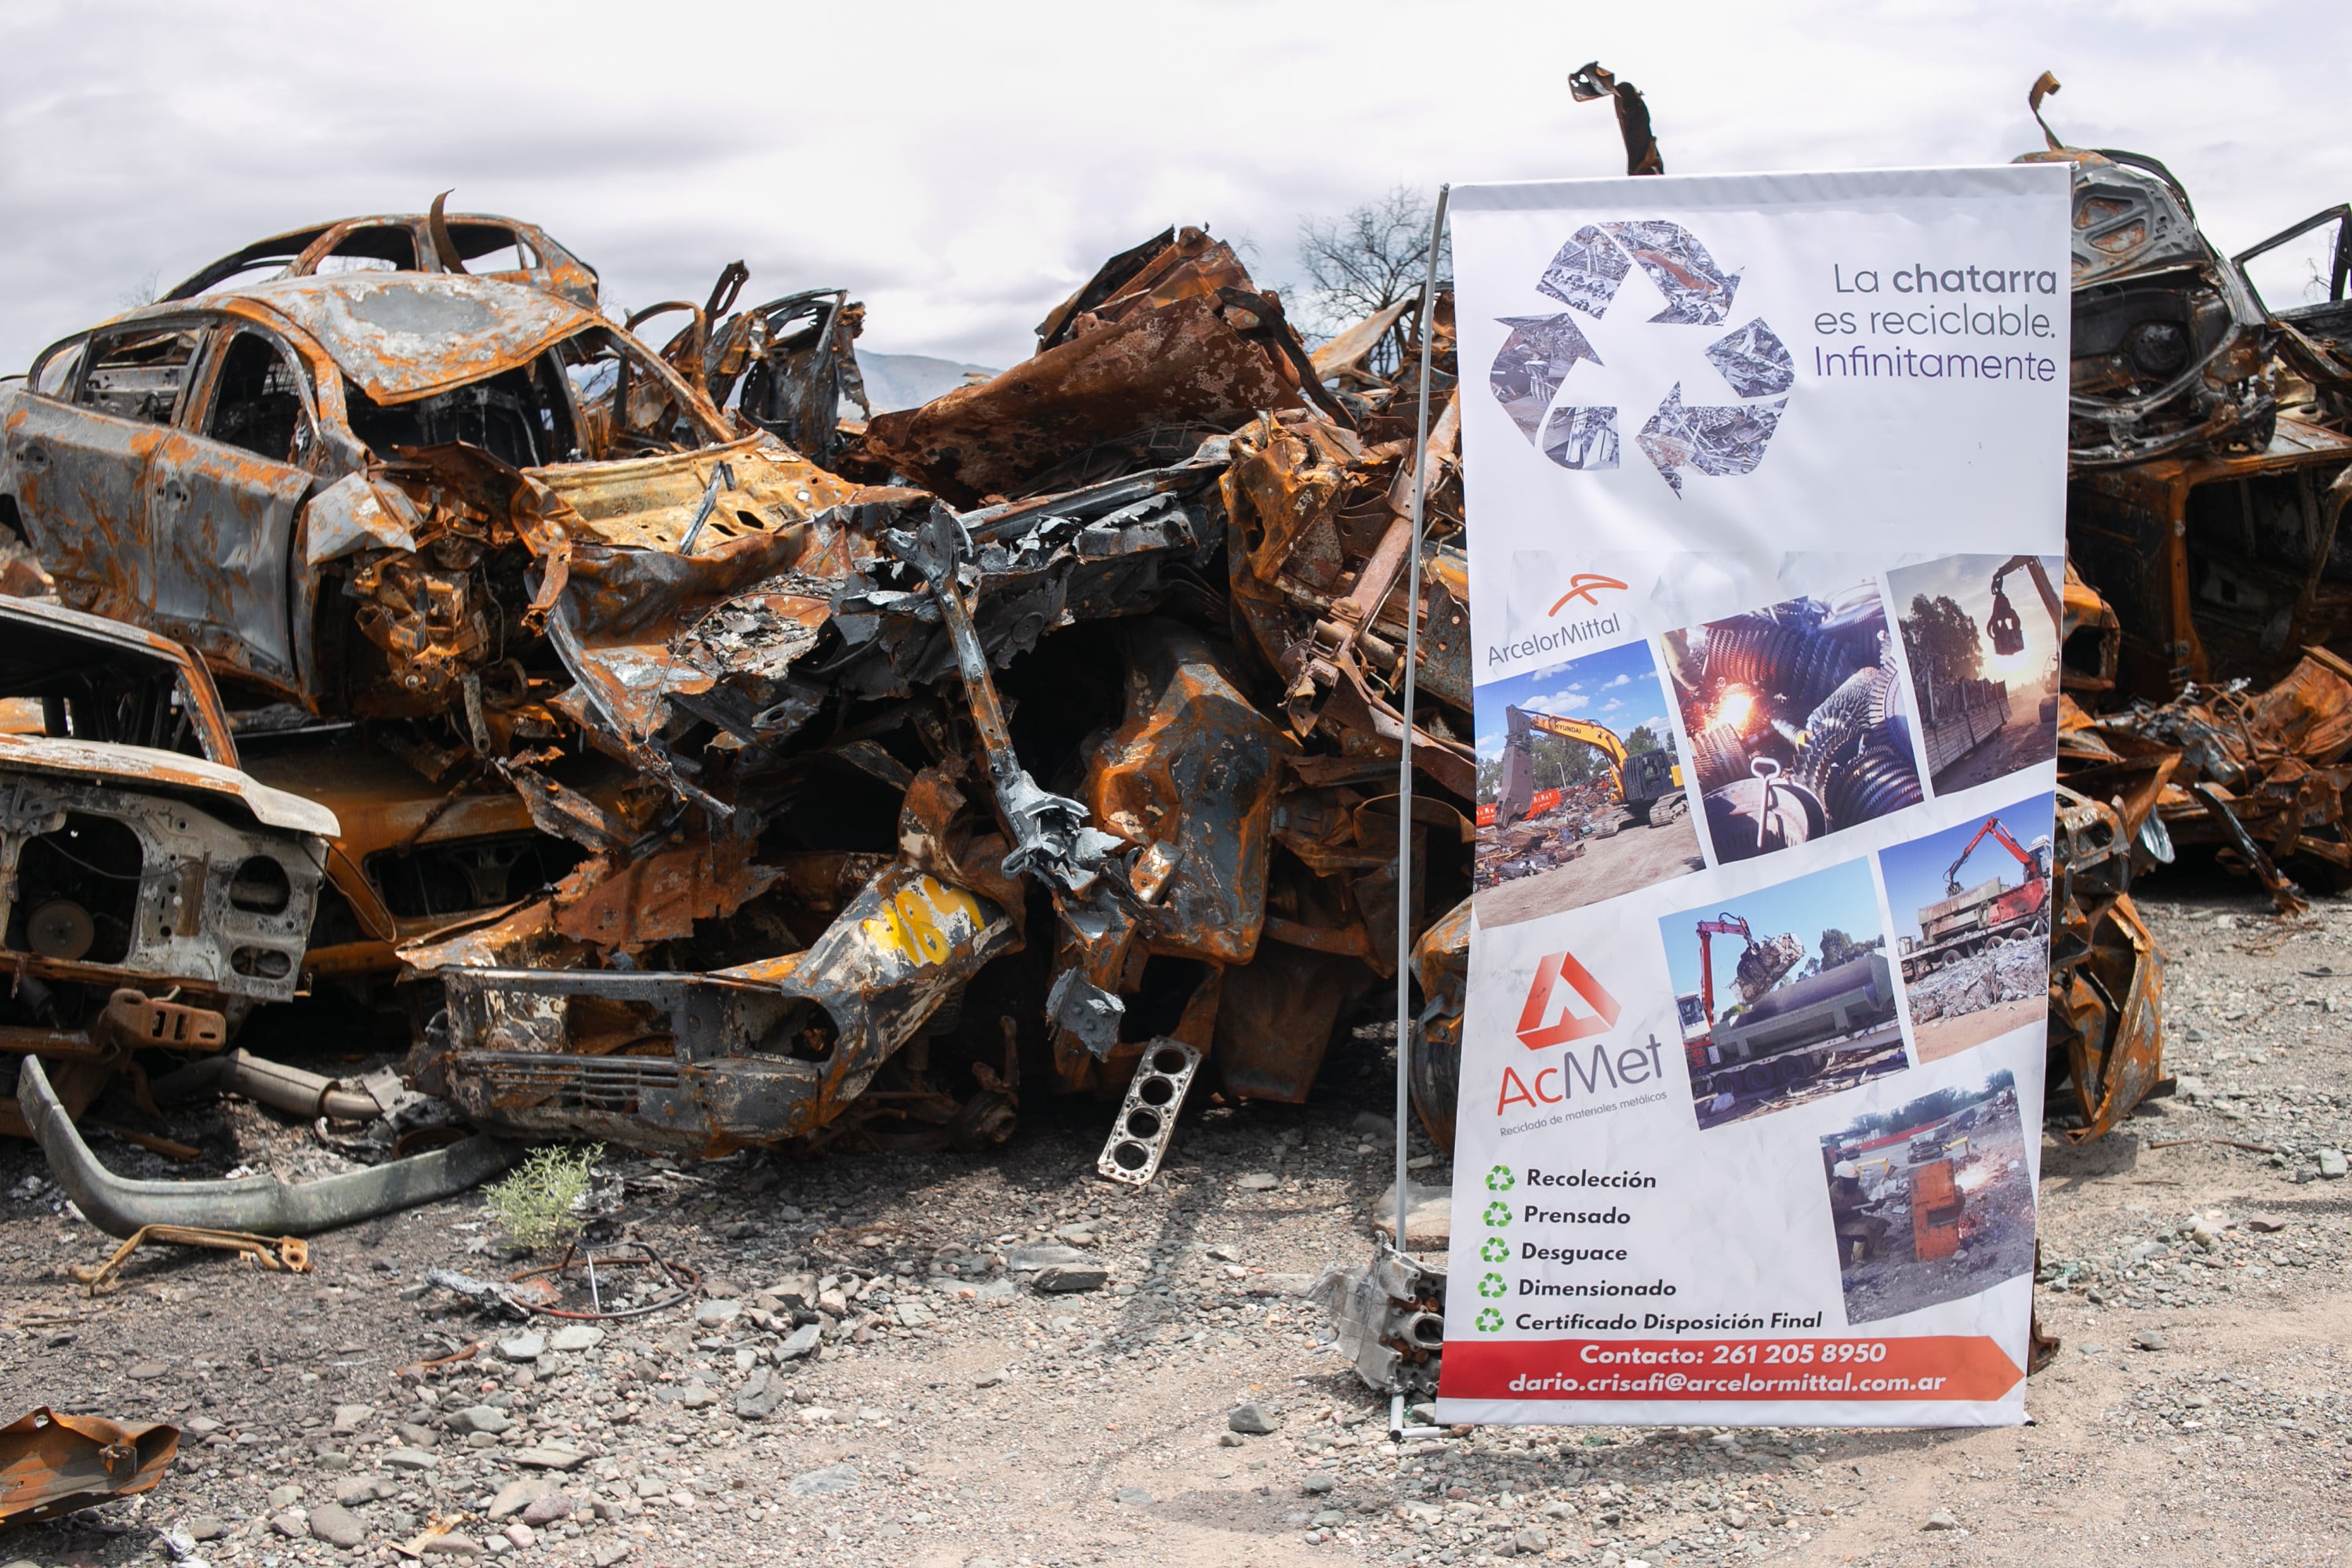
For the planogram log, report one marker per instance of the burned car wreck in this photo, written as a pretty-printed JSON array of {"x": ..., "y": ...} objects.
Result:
[
  {"x": 151, "y": 894},
  {"x": 713, "y": 772}
]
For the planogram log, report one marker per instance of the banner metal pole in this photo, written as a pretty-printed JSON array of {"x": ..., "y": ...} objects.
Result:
[{"x": 1404, "y": 763}]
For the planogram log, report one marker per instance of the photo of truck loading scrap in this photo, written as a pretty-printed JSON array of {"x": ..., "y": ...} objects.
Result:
[
  {"x": 1580, "y": 791},
  {"x": 1976, "y": 960},
  {"x": 1984, "y": 667},
  {"x": 1794, "y": 1018}
]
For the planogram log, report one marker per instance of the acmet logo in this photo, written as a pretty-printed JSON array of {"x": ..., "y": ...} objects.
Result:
[
  {"x": 1584, "y": 586},
  {"x": 1550, "y": 973},
  {"x": 1566, "y": 1003}
]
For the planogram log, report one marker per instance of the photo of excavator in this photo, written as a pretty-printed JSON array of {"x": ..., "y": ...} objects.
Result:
[
  {"x": 1985, "y": 672},
  {"x": 1580, "y": 791},
  {"x": 1976, "y": 958},
  {"x": 1967, "y": 922},
  {"x": 1649, "y": 784}
]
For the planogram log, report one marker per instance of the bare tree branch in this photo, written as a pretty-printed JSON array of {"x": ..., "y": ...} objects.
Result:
[{"x": 1366, "y": 259}]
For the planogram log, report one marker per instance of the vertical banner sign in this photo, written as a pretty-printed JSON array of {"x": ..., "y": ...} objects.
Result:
[{"x": 1766, "y": 511}]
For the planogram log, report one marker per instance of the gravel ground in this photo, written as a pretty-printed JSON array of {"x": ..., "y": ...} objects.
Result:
[{"x": 2199, "y": 1412}]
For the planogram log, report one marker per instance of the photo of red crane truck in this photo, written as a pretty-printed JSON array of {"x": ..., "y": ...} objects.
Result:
[{"x": 1975, "y": 951}]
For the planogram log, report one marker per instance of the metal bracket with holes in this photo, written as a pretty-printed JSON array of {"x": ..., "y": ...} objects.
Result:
[{"x": 1146, "y": 1118}]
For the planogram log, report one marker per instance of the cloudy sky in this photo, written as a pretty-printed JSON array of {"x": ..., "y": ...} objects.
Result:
[{"x": 962, "y": 166}]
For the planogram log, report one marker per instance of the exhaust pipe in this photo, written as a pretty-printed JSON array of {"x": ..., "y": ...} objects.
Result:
[{"x": 290, "y": 1089}]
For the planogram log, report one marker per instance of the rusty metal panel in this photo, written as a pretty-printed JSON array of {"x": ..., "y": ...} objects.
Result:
[
  {"x": 1185, "y": 368},
  {"x": 749, "y": 1054},
  {"x": 52, "y": 1464},
  {"x": 401, "y": 336}
]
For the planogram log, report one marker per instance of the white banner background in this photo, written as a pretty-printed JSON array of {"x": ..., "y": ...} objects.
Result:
[{"x": 1866, "y": 487}]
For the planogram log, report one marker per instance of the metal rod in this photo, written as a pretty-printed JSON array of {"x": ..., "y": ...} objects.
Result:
[{"x": 1404, "y": 763}]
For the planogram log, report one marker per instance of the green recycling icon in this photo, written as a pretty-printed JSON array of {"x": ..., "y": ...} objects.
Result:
[
  {"x": 1498, "y": 1215},
  {"x": 1489, "y": 1321},
  {"x": 1491, "y": 1285},
  {"x": 1497, "y": 1250},
  {"x": 1500, "y": 1179}
]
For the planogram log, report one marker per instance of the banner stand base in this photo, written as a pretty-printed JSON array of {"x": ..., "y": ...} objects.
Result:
[{"x": 1399, "y": 1432}]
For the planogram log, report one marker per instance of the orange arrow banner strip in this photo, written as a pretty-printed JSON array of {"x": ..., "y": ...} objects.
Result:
[{"x": 1957, "y": 1367}]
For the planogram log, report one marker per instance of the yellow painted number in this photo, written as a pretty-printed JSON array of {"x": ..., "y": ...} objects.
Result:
[{"x": 909, "y": 924}]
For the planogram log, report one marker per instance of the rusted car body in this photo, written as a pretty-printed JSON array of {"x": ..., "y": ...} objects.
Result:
[
  {"x": 151, "y": 893},
  {"x": 2220, "y": 564},
  {"x": 2315, "y": 346},
  {"x": 2169, "y": 345},
  {"x": 2259, "y": 774},
  {"x": 481, "y": 245}
]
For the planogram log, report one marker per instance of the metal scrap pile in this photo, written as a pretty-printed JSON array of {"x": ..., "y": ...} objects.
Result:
[
  {"x": 2209, "y": 469},
  {"x": 701, "y": 789},
  {"x": 2259, "y": 774}
]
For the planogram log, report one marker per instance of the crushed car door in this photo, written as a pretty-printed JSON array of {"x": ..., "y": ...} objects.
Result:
[
  {"x": 80, "y": 447},
  {"x": 221, "y": 496}
]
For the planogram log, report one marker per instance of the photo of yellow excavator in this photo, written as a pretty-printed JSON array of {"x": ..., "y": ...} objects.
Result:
[
  {"x": 1570, "y": 758},
  {"x": 1649, "y": 784}
]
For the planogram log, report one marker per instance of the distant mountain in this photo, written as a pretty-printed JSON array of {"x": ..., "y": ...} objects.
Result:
[{"x": 909, "y": 381}]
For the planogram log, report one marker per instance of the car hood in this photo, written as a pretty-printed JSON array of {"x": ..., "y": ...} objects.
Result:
[{"x": 144, "y": 767}]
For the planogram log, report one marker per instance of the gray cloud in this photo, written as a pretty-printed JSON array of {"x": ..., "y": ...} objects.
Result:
[{"x": 961, "y": 168}]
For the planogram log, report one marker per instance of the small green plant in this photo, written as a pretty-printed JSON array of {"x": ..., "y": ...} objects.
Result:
[{"x": 533, "y": 1205}]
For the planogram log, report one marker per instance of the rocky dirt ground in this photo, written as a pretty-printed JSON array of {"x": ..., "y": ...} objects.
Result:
[
  {"x": 1635, "y": 856},
  {"x": 2199, "y": 1413}
]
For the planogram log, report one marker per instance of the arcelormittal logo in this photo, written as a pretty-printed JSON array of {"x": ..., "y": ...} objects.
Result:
[
  {"x": 1550, "y": 1016},
  {"x": 1717, "y": 439}
]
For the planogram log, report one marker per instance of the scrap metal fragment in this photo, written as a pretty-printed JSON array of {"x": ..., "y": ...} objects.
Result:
[
  {"x": 1052, "y": 834},
  {"x": 264, "y": 1205},
  {"x": 285, "y": 1254},
  {"x": 1146, "y": 1122},
  {"x": 52, "y": 1463},
  {"x": 1389, "y": 1318},
  {"x": 1591, "y": 81},
  {"x": 1090, "y": 1013},
  {"x": 493, "y": 1295}
]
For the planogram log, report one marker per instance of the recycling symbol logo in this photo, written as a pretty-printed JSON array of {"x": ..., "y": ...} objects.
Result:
[
  {"x": 1492, "y": 1286},
  {"x": 1489, "y": 1321},
  {"x": 1500, "y": 1179},
  {"x": 1579, "y": 431},
  {"x": 1498, "y": 1214},
  {"x": 1497, "y": 1250}
]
